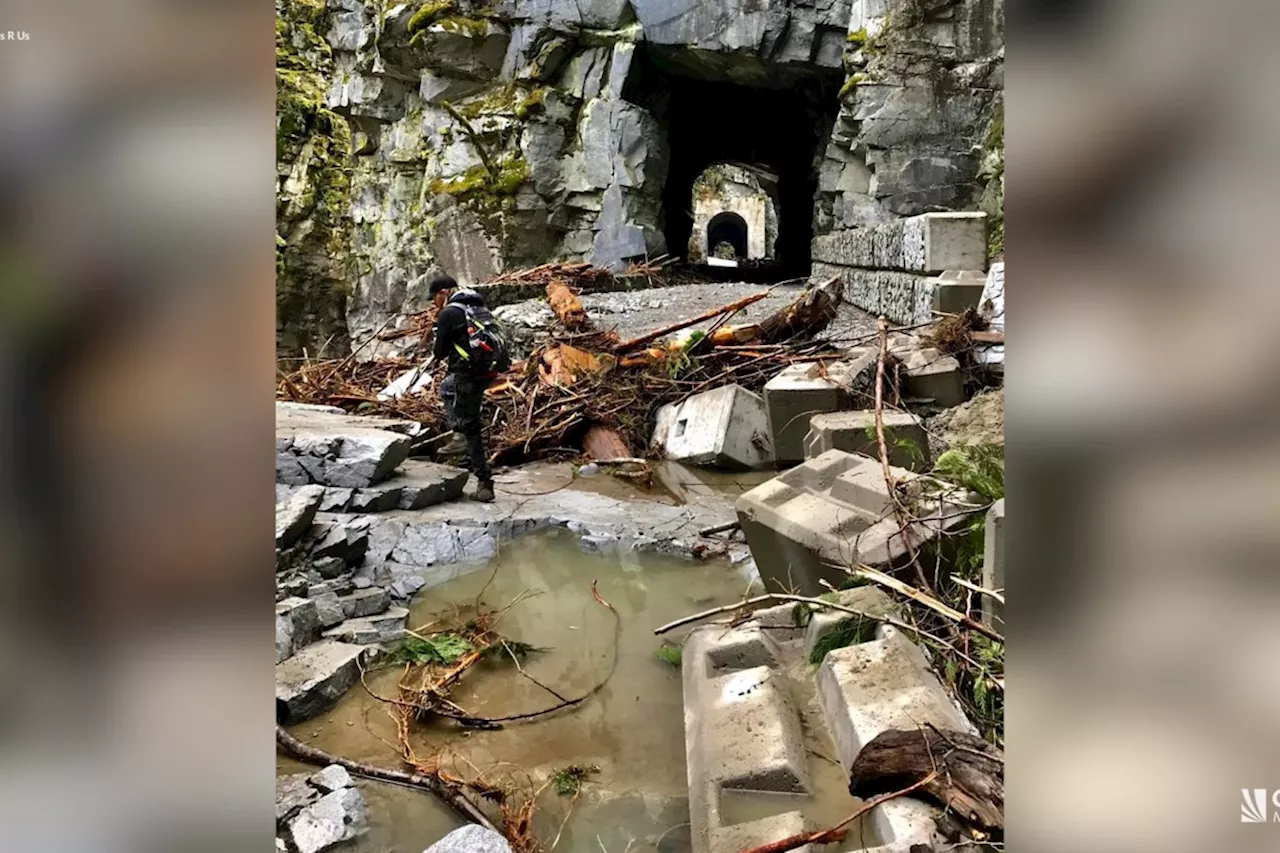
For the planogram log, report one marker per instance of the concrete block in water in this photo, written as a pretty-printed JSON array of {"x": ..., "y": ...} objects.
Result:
[
  {"x": 854, "y": 432},
  {"x": 742, "y": 731},
  {"x": 315, "y": 678},
  {"x": 834, "y": 510},
  {"x": 802, "y": 390},
  {"x": 725, "y": 427},
  {"x": 869, "y": 688},
  {"x": 993, "y": 567}
]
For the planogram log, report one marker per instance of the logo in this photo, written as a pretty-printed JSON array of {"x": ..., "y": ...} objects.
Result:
[
  {"x": 1253, "y": 806},
  {"x": 12, "y": 35}
]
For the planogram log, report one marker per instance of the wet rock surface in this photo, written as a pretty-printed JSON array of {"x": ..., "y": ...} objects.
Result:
[
  {"x": 317, "y": 812},
  {"x": 471, "y": 839}
]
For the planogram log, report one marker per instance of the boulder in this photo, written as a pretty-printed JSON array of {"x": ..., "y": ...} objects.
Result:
[
  {"x": 334, "y": 818},
  {"x": 471, "y": 839},
  {"x": 294, "y": 515}
]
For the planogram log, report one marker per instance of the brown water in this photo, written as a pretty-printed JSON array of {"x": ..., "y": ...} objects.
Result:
[{"x": 632, "y": 729}]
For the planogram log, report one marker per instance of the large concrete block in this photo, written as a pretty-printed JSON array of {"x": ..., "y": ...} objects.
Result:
[
  {"x": 742, "y": 731},
  {"x": 951, "y": 241},
  {"x": 834, "y": 510},
  {"x": 869, "y": 688},
  {"x": 993, "y": 566},
  {"x": 855, "y": 432},
  {"x": 930, "y": 244},
  {"x": 935, "y": 376},
  {"x": 315, "y": 678},
  {"x": 958, "y": 290},
  {"x": 726, "y": 427},
  {"x": 802, "y": 390}
]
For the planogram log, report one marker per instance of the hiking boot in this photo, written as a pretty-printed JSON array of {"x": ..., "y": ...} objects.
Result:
[
  {"x": 484, "y": 493},
  {"x": 456, "y": 446}
]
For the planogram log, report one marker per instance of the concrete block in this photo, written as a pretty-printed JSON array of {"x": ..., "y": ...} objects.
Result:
[
  {"x": 855, "y": 432},
  {"x": 314, "y": 678},
  {"x": 725, "y": 427},
  {"x": 886, "y": 684},
  {"x": 294, "y": 514},
  {"x": 746, "y": 836},
  {"x": 802, "y": 390},
  {"x": 935, "y": 376},
  {"x": 958, "y": 290},
  {"x": 993, "y": 566},
  {"x": 870, "y": 600},
  {"x": 930, "y": 243},
  {"x": 742, "y": 731},
  {"x": 834, "y": 510},
  {"x": 952, "y": 241}
]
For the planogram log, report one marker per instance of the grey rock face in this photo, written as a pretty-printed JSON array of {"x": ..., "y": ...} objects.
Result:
[
  {"x": 345, "y": 539},
  {"x": 303, "y": 619},
  {"x": 355, "y": 458},
  {"x": 471, "y": 839},
  {"x": 334, "y": 818},
  {"x": 364, "y": 602},
  {"x": 315, "y": 678},
  {"x": 292, "y": 793},
  {"x": 294, "y": 515}
]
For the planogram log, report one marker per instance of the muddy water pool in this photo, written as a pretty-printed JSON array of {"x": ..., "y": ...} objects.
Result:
[{"x": 632, "y": 729}]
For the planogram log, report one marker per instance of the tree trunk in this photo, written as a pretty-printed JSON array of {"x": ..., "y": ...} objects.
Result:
[{"x": 971, "y": 783}]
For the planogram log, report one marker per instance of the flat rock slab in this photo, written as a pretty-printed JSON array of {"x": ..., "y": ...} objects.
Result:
[
  {"x": 334, "y": 818},
  {"x": 341, "y": 451},
  {"x": 314, "y": 678},
  {"x": 295, "y": 513}
]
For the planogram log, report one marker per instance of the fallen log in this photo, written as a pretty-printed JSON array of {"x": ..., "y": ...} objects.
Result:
[
  {"x": 810, "y": 312},
  {"x": 636, "y": 343},
  {"x": 970, "y": 782},
  {"x": 601, "y": 443},
  {"x": 566, "y": 304},
  {"x": 451, "y": 796}
]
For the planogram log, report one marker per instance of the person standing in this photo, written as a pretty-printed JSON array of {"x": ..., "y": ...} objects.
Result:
[{"x": 469, "y": 338}]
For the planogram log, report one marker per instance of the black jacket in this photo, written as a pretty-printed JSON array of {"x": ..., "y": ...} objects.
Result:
[{"x": 451, "y": 329}]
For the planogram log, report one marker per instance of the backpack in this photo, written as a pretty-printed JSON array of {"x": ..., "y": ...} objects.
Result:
[{"x": 487, "y": 350}]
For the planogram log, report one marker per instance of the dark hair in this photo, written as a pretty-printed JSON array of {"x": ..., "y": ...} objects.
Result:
[{"x": 441, "y": 282}]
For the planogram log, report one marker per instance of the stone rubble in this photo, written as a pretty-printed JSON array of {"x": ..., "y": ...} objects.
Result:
[{"x": 318, "y": 812}]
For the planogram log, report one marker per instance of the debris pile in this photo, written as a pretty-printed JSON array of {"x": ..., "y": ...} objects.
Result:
[{"x": 583, "y": 378}]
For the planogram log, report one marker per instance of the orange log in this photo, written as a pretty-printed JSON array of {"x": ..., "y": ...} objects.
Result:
[
  {"x": 603, "y": 442},
  {"x": 566, "y": 304}
]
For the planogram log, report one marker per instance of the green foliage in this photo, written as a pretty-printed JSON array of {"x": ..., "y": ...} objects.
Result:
[
  {"x": 504, "y": 649},
  {"x": 476, "y": 182},
  {"x": 568, "y": 780},
  {"x": 724, "y": 251},
  {"x": 444, "y": 648},
  {"x": 858, "y": 38},
  {"x": 902, "y": 443},
  {"x": 846, "y": 632},
  {"x": 801, "y": 615},
  {"x": 532, "y": 103},
  {"x": 977, "y": 467},
  {"x": 853, "y": 81},
  {"x": 668, "y": 654}
]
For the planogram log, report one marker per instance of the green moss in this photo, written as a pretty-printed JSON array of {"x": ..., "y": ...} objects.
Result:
[
  {"x": 470, "y": 27},
  {"x": 668, "y": 654},
  {"x": 858, "y": 38},
  {"x": 429, "y": 11},
  {"x": 499, "y": 99},
  {"x": 468, "y": 182},
  {"x": 852, "y": 83},
  {"x": 532, "y": 103}
]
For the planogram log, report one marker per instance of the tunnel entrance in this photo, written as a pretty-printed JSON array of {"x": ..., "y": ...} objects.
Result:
[
  {"x": 778, "y": 123},
  {"x": 727, "y": 236}
]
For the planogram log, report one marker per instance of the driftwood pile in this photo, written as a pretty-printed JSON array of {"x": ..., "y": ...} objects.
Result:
[{"x": 585, "y": 380}]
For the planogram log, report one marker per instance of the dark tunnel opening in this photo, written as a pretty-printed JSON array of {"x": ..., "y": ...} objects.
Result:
[
  {"x": 780, "y": 123},
  {"x": 729, "y": 228}
]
